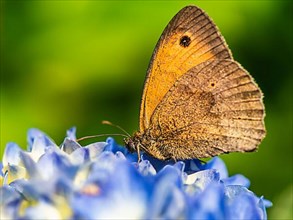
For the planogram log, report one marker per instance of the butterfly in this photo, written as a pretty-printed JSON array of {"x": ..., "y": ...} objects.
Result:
[{"x": 197, "y": 100}]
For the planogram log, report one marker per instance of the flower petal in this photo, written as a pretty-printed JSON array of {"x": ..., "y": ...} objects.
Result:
[
  {"x": 29, "y": 165},
  {"x": 243, "y": 204},
  {"x": 11, "y": 155},
  {"x": 55, "y": 165},
  {"x": 71, "y": 133},
  {"x": 80, "y": 156},
  {"x": 69, "y": 145},
  {"x": 95, "y": 149},
  {"x": 237, "y": 179},
  {"x": 208, "y": 204},
  {"x": 37, "y": 139},
  {"x": 217, "y": 164},
  {"x": 167, "y": 201},
  {"x": 8, "y": 194},
  {"x": 42, "y": 210},
  {"x": 202, "y": 179},
  {"x": 146, "y": 168}
]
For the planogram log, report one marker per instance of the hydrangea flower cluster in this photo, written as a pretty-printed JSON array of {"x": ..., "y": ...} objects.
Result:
[{"x": 104, "y": 181}]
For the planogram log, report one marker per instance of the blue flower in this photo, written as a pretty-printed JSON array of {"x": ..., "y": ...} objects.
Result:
[{"x": 104, "y": 181}]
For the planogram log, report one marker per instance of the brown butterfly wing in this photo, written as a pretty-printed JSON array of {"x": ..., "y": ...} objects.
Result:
[
  {"x": 215, "y": 107},
  {"x": 189, "y": 39}
]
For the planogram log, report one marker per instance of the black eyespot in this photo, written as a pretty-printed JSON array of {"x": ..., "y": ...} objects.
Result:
[
  {"x": 185, "y": 41},
  {"x": 212, "y": 84}
]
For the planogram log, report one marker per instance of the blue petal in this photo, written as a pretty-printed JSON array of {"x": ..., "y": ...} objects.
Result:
[
  {"x": 180, "y": 165},
  {"x": 1, "y": 169},
  {"x": 54, "y": 165},
  {"x": 9, "y": 202},
  {"x": 102, "y": 168},
  {"x": 120, "y": 156},
  {"x": 80, "y": 156},
  {"x": 30, "y": 165},
  {"x": 201, "y": 179},
  {"x": 209, "y": 204},
  {"x": 10, "y": 209},
  {"x": 118, "y": 206},
  {"x": 114, "y": 147},
  {"x": 129, "y": 179},
  {"x": 146, "y": 168},
  {"x": 42, "y": 210},
  {"x": 8, "y": 194},
  {"x": 267, "y": 203},
  {"x": 237, "y": 179},
  {"x": 36, "y": 135},
  {"x": 168, "y": 201},
  {"x": 69, "y": 145},
  {"x": 261, "y": 205},
  {"x": 13, "y": 172},
  {"x": 192, "y": 166},
  {"x": 11, "y": 154},
  {"x": 244, "y": 206},
  {"x": 232, "y": 191},
  {"x": 171, "y": 173},
  {"x": 96, "y": 149},
  {"x": 71, "y": 133},
  {"x": 38, "y": 189},
  {"x": 217, "y": 164},
  {"x": 157, "y": 164},
  {"x": 123, "y": 195},
  {"x": 64, "y": 187},
  {"x": 28, "y": 189}
]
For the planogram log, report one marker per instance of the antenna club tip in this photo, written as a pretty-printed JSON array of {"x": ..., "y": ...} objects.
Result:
[{"x": 105, "y": 122}]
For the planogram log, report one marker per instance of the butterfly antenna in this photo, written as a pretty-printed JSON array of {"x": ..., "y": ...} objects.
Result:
[
  {"x": 117, "y": 126},
  {"x": 99, "y": 135}
]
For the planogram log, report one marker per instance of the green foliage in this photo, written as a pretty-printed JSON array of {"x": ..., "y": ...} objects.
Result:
[{"x": 76, "y": 63}]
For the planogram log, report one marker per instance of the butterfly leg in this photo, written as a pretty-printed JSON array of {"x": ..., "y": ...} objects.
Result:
[
  {"x": 174, "y": 159},
  {"x": 138, "y": 153}
]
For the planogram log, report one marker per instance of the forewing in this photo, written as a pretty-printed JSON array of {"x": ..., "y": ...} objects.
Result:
[
  {"x": 189, "y": 39},
  {"x": 216, "y": 107}
]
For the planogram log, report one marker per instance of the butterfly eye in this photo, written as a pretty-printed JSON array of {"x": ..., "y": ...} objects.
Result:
[{"x": 185, "y": 41}]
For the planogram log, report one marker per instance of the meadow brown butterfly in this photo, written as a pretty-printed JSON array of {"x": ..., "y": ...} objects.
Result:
[{"x": 197, "y": 100}]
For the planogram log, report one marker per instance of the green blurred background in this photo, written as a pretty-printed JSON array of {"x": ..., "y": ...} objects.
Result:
[{"x": 76, "y": 63}]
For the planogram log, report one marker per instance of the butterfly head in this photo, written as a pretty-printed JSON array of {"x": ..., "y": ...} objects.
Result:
[
  {"x": 133, "y": 143},
  {"x": 130, "y": 145},
  {"x": 141, "y": 141}
]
